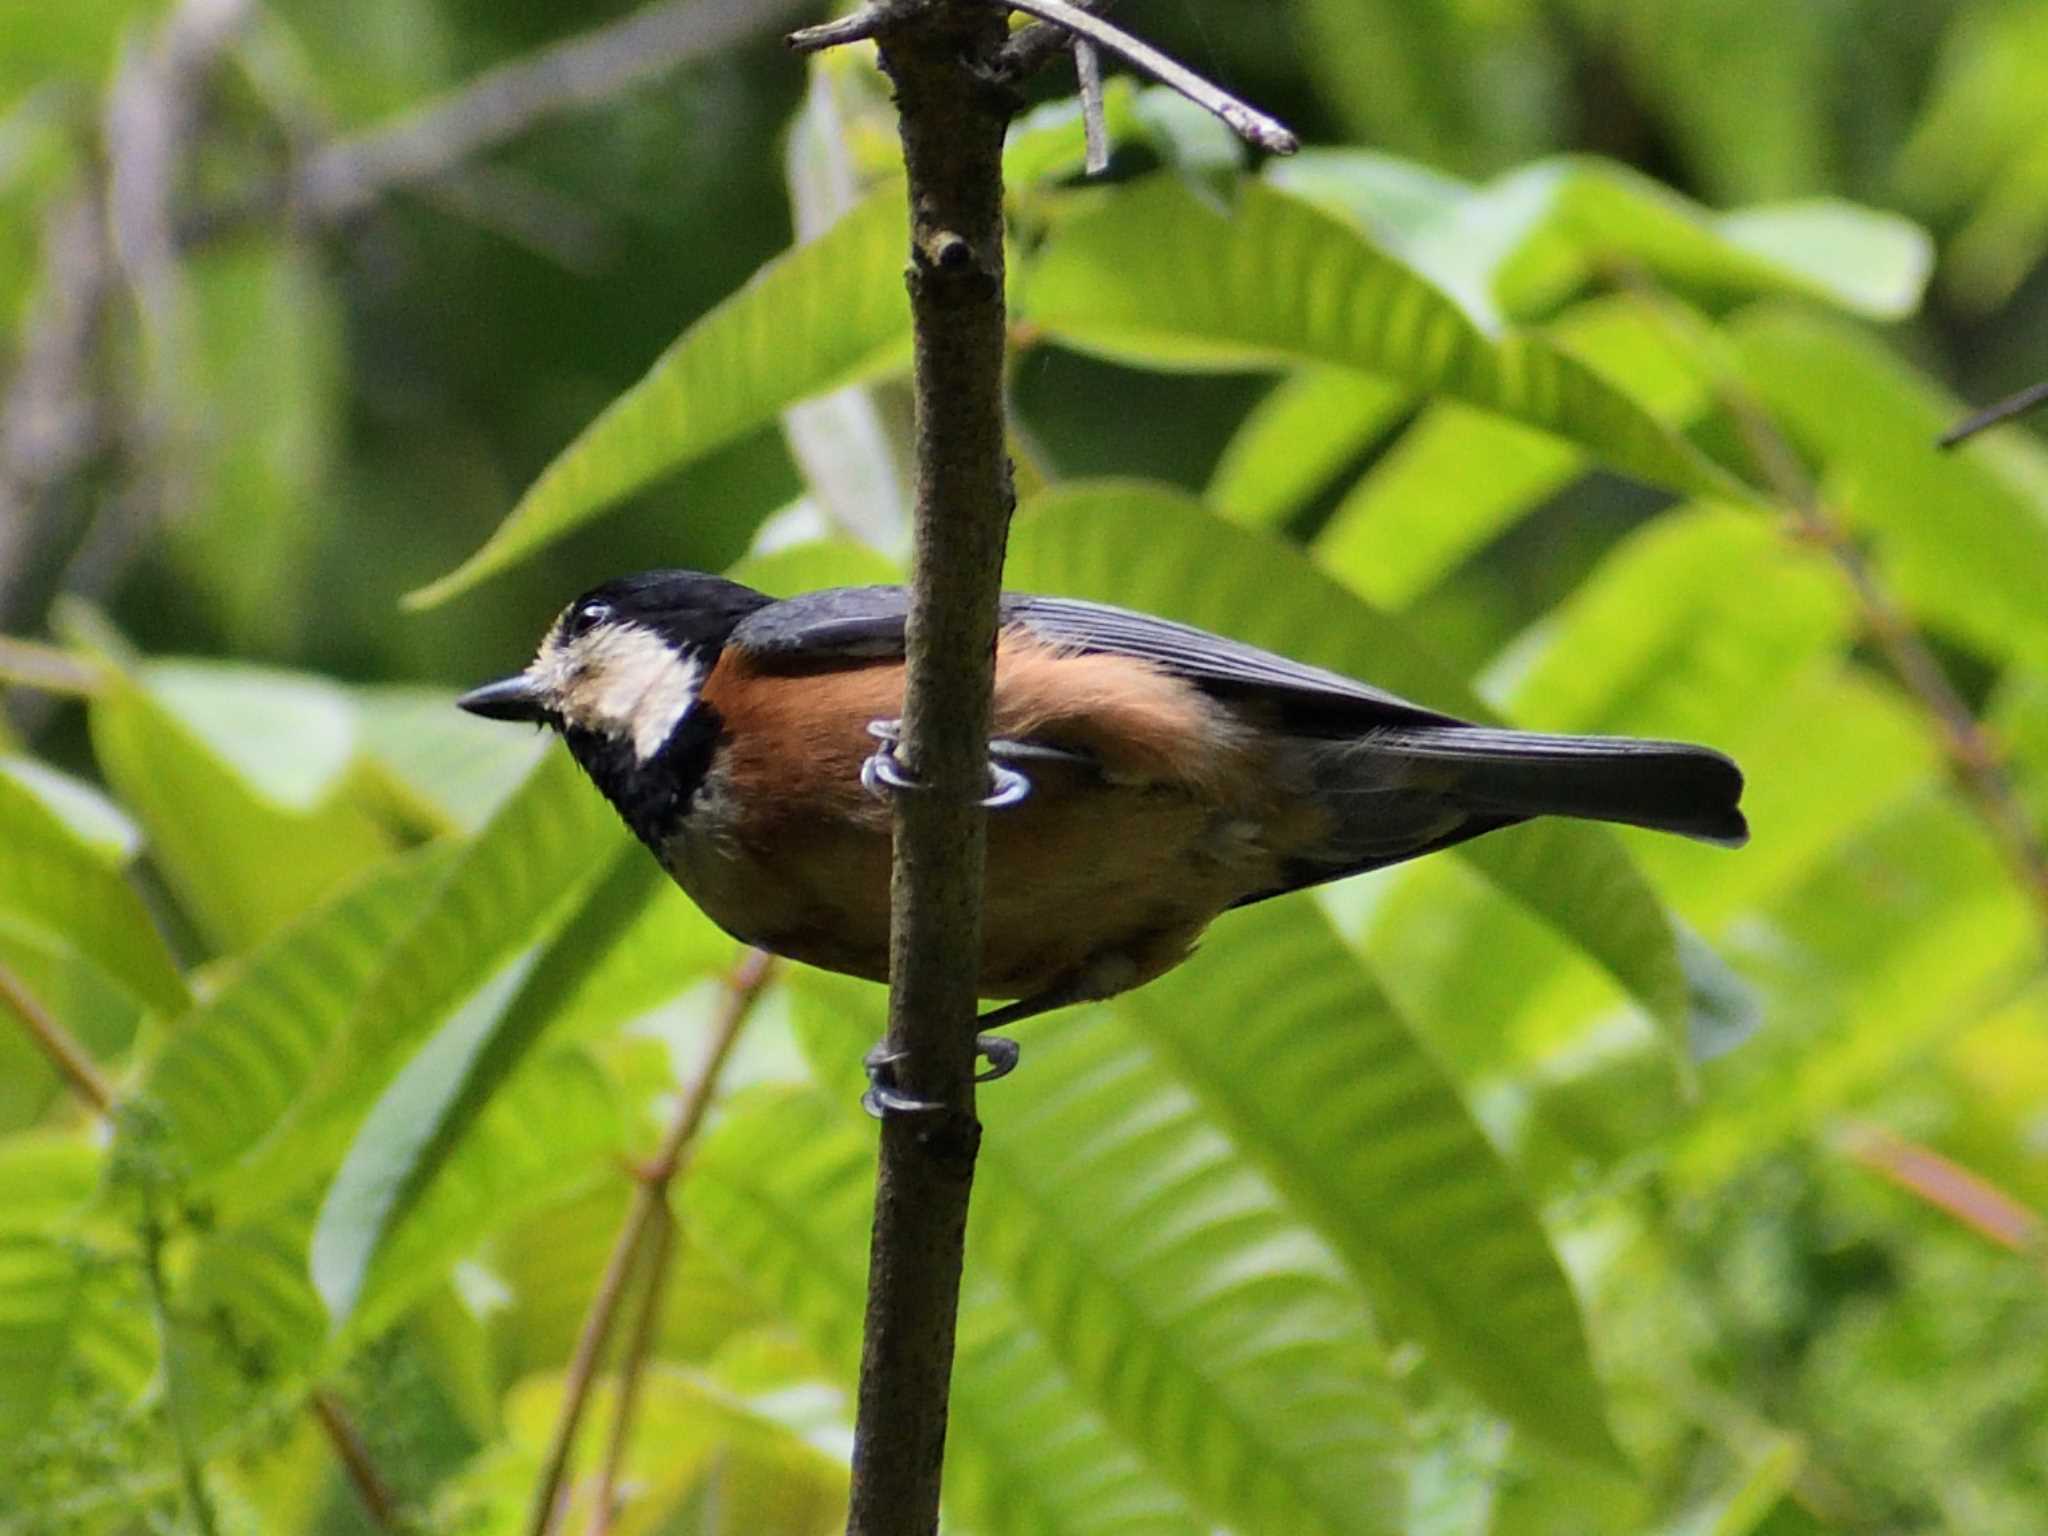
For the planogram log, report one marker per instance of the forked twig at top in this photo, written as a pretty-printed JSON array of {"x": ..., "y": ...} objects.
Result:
[{"x": 1248, "y": 122}]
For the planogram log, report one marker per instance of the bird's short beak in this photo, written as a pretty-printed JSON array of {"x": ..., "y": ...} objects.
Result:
[{"x": 510, "y": 698}]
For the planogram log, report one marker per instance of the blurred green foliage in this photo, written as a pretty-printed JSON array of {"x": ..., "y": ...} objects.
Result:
[{"x": 1580, "y": 1183}]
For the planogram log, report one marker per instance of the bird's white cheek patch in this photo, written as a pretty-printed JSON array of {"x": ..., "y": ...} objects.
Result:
[{"x": 628, "y": 682}]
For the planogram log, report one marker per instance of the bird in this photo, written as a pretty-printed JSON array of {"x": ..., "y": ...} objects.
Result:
[{"x": 1146, "y": 776}]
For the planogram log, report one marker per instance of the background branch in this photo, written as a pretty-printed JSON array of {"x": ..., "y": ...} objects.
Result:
[
  {"x": 503, "y": 103},
  {"x": 650, "y": 1200}
]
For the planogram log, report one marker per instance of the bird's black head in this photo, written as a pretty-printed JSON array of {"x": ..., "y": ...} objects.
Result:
[{"x": 621, "y": 668}]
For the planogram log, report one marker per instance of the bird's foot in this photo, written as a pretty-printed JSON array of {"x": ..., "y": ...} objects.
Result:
[
  {"x": 884, "y": 1098},
  {"x": 883, "y": 773}
]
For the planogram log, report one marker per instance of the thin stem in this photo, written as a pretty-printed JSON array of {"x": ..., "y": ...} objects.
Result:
[
  {"x": 379, "y": 1502},
  {"x": 1247, "y": 121},
  {"x": 1088, "y": 79},
  {"x": 55, "y": 1042},
  {"x": 952, "y": 125},
  {"x": 1992, "y": 415},
  {"x": 743, "y": 988},
  {"x": 639, "y": 1348},
  {"x": 191, "y": 1471},
  {"x": 857, "y": 26},
  {"x": 1973, "y": 758},
  {"x": 1031, "y": 47}
]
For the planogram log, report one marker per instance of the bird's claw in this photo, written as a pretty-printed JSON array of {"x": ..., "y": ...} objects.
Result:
[
  {"x": 884, "y": 1098},
  {"x": 882, "y": 773}
]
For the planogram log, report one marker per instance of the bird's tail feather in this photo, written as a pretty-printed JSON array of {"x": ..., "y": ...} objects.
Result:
[{"x": 1667, "y": 785}]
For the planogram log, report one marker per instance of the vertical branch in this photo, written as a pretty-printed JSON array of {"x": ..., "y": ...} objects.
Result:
[{"x": 952, "y": 122}]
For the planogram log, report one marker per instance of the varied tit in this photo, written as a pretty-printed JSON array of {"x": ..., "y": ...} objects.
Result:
[{"x": 1145, "y": 776}]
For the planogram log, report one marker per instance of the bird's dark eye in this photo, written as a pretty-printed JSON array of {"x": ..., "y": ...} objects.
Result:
[{"x": 585, "y": 617}]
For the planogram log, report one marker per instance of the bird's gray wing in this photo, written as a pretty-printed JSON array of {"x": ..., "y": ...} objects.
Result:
[
  {"x": 853, "y": 624},
  {"x": 1221, "y": 665}
]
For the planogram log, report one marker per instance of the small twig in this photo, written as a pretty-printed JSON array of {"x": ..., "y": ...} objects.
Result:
[
  {"x": 55, "y": 1042},
  {"x": 1031, "y": 48},
  {"x": 1247, "y": 121},
  {"x": 1992, "y": 415},
  {"x": 870, "y": 21},
  {"x": 1088, "y": 76},
  {"x": 527, "y": 213},
  {"x": 379, "y": 1502},
  {"x": 639, "y": 1347},
  {"x": 743, "y": 989},
  {"x": 1947, "y": 1186},
  {"x": 1973, "y": 758}
]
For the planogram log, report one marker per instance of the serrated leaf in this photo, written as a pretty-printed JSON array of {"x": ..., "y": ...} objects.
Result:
[
  {"x": 1180, "y": 1292},
  {"x": 99, "y": 1013},
  {"x": 821, "y": 316},
  {"x": 782, "y": 1191},
  {"x": 1157, "y": 276},
  {"x": 506, "y": 891},
  {"x": 238, "y": 1064},
  {"x": 635, "y": 942},
  {"x": 1288, "y": 1043},
  {"x": 1149, "y": 548},
  {"x": 60, "y": 886}
]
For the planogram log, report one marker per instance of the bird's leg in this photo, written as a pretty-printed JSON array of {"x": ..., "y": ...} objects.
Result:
[
  {"x": 884, "y": 1098},
  {"x": 883, "y": 773}
]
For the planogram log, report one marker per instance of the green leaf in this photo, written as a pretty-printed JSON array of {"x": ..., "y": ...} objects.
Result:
[
  {"x": 1295, "y": 441},
  {"x": 823, "y": 315},
  {"x": 782, "y": 1191},
  {"x": 636, "y": 942},
  {"x": 44, "y": 1180},
  {"x": 243, "y": 860},
  {"x": 236, "y": 1068},
  {"x": 704, "y": 1457},
  {"x": 86, "y": 812},
  {"x": 1157, "y": 276},
  {"x": 384, "y": 1239},
  {"x": 507, "y": 890},
  {"x": 1149, "y": 548},
  {"x": 458, "y": 768},
  {"x": 99, "y": 1013},
  {"x": 1456, "y": 479},
  {"x": 1682, "y": 629},
  {"x": 1175, "y": 1286},
  {"x": 1284, "y": 1039},
  {"x": 63, "y": 888},
  {"x": 1979, "y": 568},
  {"x": 1521, "y": 243}
]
